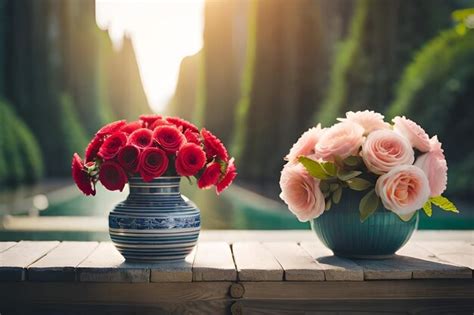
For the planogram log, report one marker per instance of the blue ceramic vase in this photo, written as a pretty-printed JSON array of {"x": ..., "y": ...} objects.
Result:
[
  {"x": 155, "y": 223},
  {"x": 380, "y": 236}
]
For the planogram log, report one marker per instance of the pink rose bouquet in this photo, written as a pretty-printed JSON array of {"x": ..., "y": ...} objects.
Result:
[
  {"x": 397, "y": 165},
  {"x": 151, "y": 147}
]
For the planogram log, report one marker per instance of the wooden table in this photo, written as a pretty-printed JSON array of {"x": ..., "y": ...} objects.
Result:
[{"x": 240, "y": 272}]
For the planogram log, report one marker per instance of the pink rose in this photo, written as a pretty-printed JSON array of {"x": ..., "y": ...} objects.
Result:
[
  {"x": 413, "y": 132},
  {"x": 301, "y": 192},
  {"x": 342, "y": 140},
  {"x": 404, "y": 189},
  {"x": 305, "y": 144},
  {"x": 385, "y": 149},
  {"x": 435, "y": 167},
  {"x": 369, "y": 120}
]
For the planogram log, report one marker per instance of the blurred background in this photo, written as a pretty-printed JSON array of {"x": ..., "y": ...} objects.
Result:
[{"x": 255, "y": 72}]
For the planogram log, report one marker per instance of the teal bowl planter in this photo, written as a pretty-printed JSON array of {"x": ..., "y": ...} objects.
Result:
[{"x": 380, "y": 236}]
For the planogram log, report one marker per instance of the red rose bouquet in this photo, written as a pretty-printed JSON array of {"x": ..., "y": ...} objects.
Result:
[{"x": 151, "y": 147}]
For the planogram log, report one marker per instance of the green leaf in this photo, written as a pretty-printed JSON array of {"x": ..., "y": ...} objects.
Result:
[
  {"x": 313, "y": 167},
  {"x": 444, "y": 203},
  {"x": 368, "y": 204},
  {"x": 328, "y": 205},
  {"x": 324, "y": 186},
  {"x": 352, "y": 160},
  {"x": 338, "y": 160},
  {"x": 336, "y": 195},
  {"x": 427, "y": 208},
  {"x": 463, "y": 14},
  {"x": 406, "y": 217},
  {"x": 346, "y": 174},
  {"x": 329, "y": 168},
  {"x": 333, "y": 187},
  {"x": 358, "y": 184}
]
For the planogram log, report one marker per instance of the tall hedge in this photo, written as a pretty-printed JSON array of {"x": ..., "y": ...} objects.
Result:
[
  {"x": 74, "y": 135},
  {"x": 184, "y": 99},
  {"x": 283, "y": 80},
  {"x": 63, "y": 76},
  {"x": 209, "y": 82},
  {"x": 383, "y": 38},
  {"x": 121, "y": 87},
  {"x": 222, "y": 52},
  {"x": 20, "y": 156},
  {"x": 437, "y": 90}
]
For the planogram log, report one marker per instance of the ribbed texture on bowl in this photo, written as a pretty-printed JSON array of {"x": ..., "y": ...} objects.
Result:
[{"x": 381, "y": 235}]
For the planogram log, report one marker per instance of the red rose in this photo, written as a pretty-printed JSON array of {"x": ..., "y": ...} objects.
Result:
[
  {"x": 111, "y": 128},
  {"x": 80, "y": 176},
  {"x": 153, "y": 163},
  {"x": 148, "y": 120},
  {"x": 128, "y": 158},
  {"x": 131, "y": 127},
  {"x": 228, "y": 178},
  {"x": 184, "y": 124},
  {"x": 159, "y": 122},
  {"x": 169, "y": 138},
  {"x": 191, "y": 158},
  {"x": 192, "y": 136},
  {"x": 112, "y": 176},
  {"x": 210, "y": 176},
  {"x": 93, "y": 148},
  {"x": 112, "y": 145},
  {"x": 141, "y": 138},
  {"x": 214, "y": 146}
]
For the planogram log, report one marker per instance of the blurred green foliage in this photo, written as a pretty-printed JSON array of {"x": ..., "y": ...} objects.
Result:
[
  {"x": 285, "y": 75},
  {"x": 383, "y": 38},
  {"x": 20, "y": 156},
  {"x": 198, "y": 116},
  {"x": 71, "y": 128},
  {"x": 437, "y": 90},
  {"x": 64, "y": 79},
  {"x": 184, "y": 99},
  {"x": 242, "y": 107},
  {"x": 306, "y": 61},
  {"x": 209, "y": 81},
  {"x": 268, "y": 70}
]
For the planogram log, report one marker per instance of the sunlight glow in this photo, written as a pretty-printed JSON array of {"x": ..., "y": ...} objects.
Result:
[{"x": 162, "y": 31}]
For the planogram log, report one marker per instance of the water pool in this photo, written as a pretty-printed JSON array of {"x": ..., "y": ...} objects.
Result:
[{"x": 72, "y": 216}]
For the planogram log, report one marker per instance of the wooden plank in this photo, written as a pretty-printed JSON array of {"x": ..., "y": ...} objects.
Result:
[
  {"x": 395, "y": 268},
  {"x": 430, "y": 266},
  {"x": 214, "y": 262},
  {"x": 359, "y": 290},
  {"x": 405, "y": 267},
  {"x": 175, "y": 271},
  {"x": 6, "y": 245},
  {"x": 152, "y": 293},
  {"x": 457, "y": 252},
  {"x": 255, "y": 263},
  {"x": 14, "y": 260},
  {"x": 94, "y": 293},
  {"x": 105, "y": 264},
  {"x": 60, "y": 263},
  {"x": 353, "y": 307},
  {"x": 214, "y": 307},
  {"x": 335, "y": 268},
  {"x": 297, "y": 264}
]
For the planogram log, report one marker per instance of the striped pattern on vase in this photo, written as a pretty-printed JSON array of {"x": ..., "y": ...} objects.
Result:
[{"x": 155, "y": 223}]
